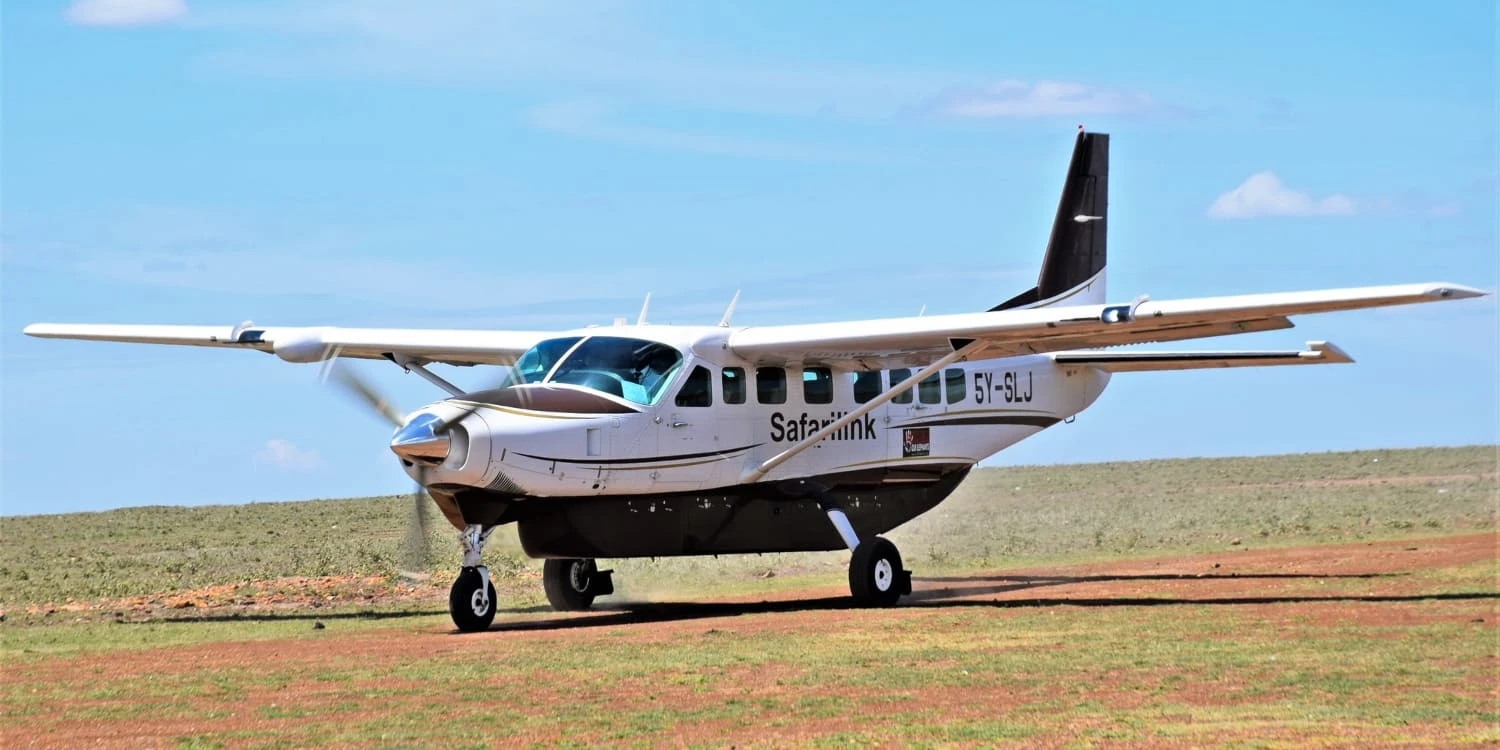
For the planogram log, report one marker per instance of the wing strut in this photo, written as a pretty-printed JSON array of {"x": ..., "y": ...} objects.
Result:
[
  {"x": 408, "y": 364},
  {"x": 755, "y": 473}
]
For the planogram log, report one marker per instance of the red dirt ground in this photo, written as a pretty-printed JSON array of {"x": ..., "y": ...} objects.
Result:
[{"x": 1275, "y": 585}]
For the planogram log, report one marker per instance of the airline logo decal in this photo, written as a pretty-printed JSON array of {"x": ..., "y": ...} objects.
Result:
[
  {"x": 792, "y": 429},
  {"x": 915, "y": 441}
]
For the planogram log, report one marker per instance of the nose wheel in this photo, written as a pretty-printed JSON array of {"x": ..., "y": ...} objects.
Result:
[
  {"x": 572, "y": 585},
  {"x": 472, "y": 601}
]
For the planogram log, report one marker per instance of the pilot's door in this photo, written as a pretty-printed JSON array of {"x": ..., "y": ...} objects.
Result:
[{"x": 688, "y": 438}]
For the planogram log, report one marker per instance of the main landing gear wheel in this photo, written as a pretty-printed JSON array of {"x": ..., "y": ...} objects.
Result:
[
  {"x": 572, "y": 585},
  {"x": 471, "y": 601},
  {"x": 876, "y": 578}
]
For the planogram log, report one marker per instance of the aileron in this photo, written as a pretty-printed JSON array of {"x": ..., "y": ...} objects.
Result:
[{"x": 1316, "y": 353}]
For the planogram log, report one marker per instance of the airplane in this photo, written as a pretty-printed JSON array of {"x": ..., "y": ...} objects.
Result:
[{"x": 662, "y": 440}]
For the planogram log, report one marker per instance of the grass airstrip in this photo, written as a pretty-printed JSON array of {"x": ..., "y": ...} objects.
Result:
[{"x": 1340, "y": 599}]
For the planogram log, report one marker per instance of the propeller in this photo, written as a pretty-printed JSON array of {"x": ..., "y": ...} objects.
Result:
[
  {"x": 414, "y": 545},
  {"x": 341, "y": 374}
]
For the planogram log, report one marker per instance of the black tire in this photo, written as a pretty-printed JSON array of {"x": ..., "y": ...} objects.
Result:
[
  {"x": 876, "y": 578},
  {"x": 469, "y": 616},
  {"x": 571, "y": 585}
]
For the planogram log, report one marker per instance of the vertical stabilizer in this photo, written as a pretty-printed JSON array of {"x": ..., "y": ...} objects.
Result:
[{"x": 1073, "y": 268}]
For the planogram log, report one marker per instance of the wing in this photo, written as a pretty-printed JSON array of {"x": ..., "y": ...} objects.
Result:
[
  {"x": 1316, "y": 353},
  {"x": 311, "y": 344},
  {"x": 899, "y": 342}
]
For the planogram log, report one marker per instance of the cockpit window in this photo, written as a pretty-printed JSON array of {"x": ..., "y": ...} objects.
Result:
[
  {"x": 534, "y": 365},
  {"x": 632, "y": 369}
]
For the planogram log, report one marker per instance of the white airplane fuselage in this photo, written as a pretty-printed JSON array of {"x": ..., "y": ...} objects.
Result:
[{"x": 966, "y": 413}]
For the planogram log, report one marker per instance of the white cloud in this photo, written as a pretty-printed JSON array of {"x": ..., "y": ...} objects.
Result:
[
  {"x": 125, "y": 12},
  {"x": 1263, "y": 194},
  {"x": 284, "y": 454},
  {"x": 1019, "y": 99}
]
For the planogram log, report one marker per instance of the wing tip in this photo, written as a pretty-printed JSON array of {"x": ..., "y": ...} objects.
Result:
[
  {"x": 1328, "y": 353},
  {"x": 1443, "y": 290}
]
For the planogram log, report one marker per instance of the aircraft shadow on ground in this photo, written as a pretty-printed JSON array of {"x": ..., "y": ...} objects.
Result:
[
  {"x": 615, "y": 615},
  {"x": 980, "y": 585},
  {"x": 317, "y": 616},
  {"x": 929, "y": 593}
]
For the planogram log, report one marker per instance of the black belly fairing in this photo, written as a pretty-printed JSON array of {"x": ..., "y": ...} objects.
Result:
[{"x": 749, "y": 518}]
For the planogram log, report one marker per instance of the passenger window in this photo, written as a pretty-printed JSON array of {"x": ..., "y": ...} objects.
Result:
[
  {"x": 734, "y": 385},
  {"x": 866, "y": 386},
  {"x": 698, "y": 390},
  {"x": 817, "y": 385},
  {"x": 898, "y": 376},
  {"x": 957, "y": 383},
  {"x": 770, "y": 385},
  {"x": 930, "y": 390}
]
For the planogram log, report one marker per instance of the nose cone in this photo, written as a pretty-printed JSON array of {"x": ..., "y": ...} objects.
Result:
[{"x": 419, "y": 440}]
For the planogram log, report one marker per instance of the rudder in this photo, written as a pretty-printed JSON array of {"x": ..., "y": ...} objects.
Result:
[{"x": 1073, "y": 268}]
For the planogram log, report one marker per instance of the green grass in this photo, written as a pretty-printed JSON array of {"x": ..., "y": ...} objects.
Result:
[
  {"x": 998, "y": 517},
  {"x": 1296, "y": 673},
  {"x": 1189, "y": 673}
]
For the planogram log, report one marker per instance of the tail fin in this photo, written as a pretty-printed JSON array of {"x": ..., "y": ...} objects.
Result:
[{"x": 1073, "y": 269}]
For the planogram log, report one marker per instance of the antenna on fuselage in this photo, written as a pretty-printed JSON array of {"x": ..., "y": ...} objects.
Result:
[
  {"x": 641, "y": 320},
  {"x": 729, "y": 311},
  {"x": 922, "y": 311}
]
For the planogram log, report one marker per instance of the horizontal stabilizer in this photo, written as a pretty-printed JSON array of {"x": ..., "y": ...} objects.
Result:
[{"x": 1316, "y": 353}]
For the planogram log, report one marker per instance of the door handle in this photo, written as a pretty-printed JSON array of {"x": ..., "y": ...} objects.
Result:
[{"x": 679, "y": 424}]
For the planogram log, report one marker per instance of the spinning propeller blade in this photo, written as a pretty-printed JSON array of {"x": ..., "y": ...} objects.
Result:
[
  {"x": 414, "y": 546},
  {"x": 341, "y": 374}
]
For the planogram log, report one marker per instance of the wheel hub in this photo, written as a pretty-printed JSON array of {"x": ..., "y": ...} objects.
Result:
[
  {"x": 884, "y": 575},
  {"x": 580, "y": 576}
]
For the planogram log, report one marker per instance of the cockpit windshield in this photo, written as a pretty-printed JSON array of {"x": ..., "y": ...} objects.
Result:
[
  {"x": 633, "y": 369},
  {"x": 534, "y": 365}
]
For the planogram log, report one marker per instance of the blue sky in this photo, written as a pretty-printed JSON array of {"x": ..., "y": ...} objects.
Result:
[{"x": 545, "y": 165}]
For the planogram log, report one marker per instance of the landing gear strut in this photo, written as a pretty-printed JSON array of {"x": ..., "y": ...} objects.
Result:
[
  {"x": 876, "y": 578},
  {"x": 471, "y": 601},
  {"x": 572, "y": 585}
]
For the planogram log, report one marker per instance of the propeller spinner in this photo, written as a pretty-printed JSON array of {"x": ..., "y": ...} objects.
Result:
[{"x": 425, "y": 439}]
